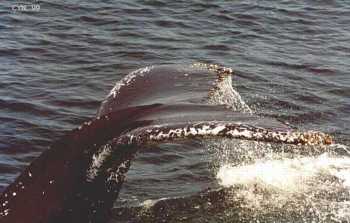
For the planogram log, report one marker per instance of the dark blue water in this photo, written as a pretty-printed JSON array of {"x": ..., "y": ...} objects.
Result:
[{"x": 291, "y": 60}]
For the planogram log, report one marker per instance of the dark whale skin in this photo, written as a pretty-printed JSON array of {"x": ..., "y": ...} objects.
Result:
[
  {"x": 48, "y": 190},
  {"x": 54, "y": 188}
]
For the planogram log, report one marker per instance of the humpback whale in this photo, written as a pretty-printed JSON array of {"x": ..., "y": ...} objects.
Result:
[{"x": 79, "y": 177}]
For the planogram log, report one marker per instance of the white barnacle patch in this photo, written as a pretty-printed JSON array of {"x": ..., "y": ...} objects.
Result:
[
  {"x": 118, "y": 175},
  {"x": 225, "y": 129},
  {"x": 5, "y": 212},
  {"x": 242, "y": 132},
  {"x": 97, "y": 161},
  {"x": 5, "y": 203},
  {"x": 246, "y": 134},
  {"x": 203, "y": 130},
  {"x": 216, "y": 130},
  {"x": 161, "y": 135},
  {"x": 113, "y": 177},
  {"x": 20, "y": 185},
  {"x": 131, "y": 139},
  {"x": 193, "y": 131},
  {"x": 293, "y": 137}
]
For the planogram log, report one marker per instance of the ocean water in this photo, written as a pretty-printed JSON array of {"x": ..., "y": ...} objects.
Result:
[{"x": 291, "y": 61}]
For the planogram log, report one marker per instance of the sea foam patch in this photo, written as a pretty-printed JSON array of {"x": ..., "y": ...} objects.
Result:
[{"x": 313, "y": 189}]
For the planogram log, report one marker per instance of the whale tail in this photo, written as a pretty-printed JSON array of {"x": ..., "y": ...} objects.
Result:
[{"x": 79, "y": 177}]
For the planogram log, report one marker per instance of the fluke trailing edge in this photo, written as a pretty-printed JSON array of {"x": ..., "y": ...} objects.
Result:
[{"x": 80, "y": 176}]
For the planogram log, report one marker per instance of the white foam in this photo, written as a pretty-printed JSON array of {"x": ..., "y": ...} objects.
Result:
[
  {"x": 315, "y": 188},
  {"x": 286, "y": 174}
]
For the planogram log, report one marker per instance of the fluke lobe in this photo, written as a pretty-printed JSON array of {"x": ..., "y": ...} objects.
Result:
[{"x": 79, "y": 177}]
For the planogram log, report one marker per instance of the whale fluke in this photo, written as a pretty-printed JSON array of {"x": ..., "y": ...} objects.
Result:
[
  {"x": 164, "y": 133},
  {"x": 78, "y": 178},
  {"x": 54, "y": 179}
]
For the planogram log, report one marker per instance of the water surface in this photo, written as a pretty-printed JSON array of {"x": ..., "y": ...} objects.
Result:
[{"x": 291, "y": 61}]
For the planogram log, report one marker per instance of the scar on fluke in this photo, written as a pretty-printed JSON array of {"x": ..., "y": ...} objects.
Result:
[{"x": 80, "y": 176}]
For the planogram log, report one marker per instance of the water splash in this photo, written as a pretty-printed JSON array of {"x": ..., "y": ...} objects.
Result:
[
  {"x": 289, "y": 175},
  {"x": 296, "y": 183}
]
